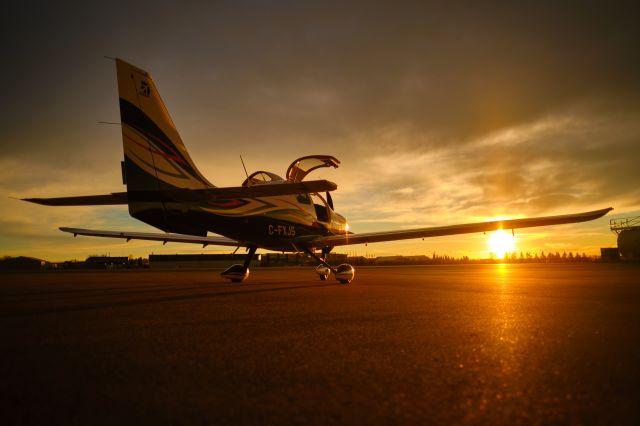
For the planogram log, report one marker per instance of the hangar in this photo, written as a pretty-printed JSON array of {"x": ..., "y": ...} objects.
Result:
[{"x": 628, "y": 231}]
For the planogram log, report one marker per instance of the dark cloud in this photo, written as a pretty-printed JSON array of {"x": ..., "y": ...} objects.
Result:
[{"x": 249, "y": 68}]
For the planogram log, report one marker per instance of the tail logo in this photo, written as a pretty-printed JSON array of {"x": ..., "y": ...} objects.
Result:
[{"x": 144, "y": 88}]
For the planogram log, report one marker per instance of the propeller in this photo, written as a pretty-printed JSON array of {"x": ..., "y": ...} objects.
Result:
[{"x": 329, "y": 200}]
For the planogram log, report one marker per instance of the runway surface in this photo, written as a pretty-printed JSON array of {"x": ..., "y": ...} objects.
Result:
[{"x": 488, "y": 344}]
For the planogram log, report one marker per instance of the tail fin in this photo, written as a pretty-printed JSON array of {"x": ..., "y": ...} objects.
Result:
[{"x": 155, "y": 157}]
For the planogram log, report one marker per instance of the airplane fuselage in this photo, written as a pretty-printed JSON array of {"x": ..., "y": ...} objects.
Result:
[{"x": 275, "y": 223}]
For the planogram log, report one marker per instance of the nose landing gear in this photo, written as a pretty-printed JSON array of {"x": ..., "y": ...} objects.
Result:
[{"x": 343, "y": 273}]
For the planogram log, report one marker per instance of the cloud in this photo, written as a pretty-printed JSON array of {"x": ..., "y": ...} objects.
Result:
[
  {"x": 576, "y": 159},
  {"x": 440, "y": 113}
]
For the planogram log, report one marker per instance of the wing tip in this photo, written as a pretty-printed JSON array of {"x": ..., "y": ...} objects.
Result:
[
  {"x": 604, "y": 211},
  {"x": 33, "y": 200}
]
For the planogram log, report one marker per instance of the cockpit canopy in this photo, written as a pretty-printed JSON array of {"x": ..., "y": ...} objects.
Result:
[
  {"x": 296, "y": 172},
  {"x": 261, "y": 177},
  {"x": 301, "y": 167}
]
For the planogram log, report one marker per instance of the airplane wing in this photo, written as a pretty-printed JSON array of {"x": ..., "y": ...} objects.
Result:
[
  {"x": 150, "y": 236},
  {"x": 404, "y": 234},
  {"x": 192, "y": 195},
  {"x": 82, "y": 200}
]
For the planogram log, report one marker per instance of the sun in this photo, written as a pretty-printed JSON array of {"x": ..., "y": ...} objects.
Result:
[{"x": 501, "y": 242}]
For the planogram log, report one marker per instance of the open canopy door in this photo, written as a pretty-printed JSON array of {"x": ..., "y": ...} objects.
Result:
[{"x": 301, "y": 167}]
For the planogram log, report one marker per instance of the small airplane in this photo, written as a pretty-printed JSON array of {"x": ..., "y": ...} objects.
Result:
[{"x": 290, "y": 214}]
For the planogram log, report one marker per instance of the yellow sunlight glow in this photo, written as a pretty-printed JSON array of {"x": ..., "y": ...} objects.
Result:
[{"x": 500, "y": 243}]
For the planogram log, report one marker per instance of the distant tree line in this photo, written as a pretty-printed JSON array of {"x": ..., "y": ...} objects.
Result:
[
  {"x": 513, "y": 257},
  {"x": 527, "y": 257}
]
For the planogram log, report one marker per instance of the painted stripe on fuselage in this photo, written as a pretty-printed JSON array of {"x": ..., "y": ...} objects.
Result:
[{"x": 135, "y": 118}]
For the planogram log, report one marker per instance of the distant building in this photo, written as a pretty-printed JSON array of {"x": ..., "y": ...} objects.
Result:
[
  {"x": 283, "y": 259},
  {"x": 298, "y": 259},
  {"x": 404, "y": 260},
  {"x": 629, "y": 243},
  {"x": 21, "y": 263},
  {"x": 106, "y": 262},
  {"x": 628, "y": 231},
  {"x": 390, "y": 260},
  {"x": 195, "y": 261},
  {"x": 609, "y": 254},
  {"x": 71, "y": 264}
]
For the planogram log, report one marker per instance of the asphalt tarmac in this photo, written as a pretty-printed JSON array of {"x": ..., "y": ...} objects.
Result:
[{"x": 473, "y": 344}]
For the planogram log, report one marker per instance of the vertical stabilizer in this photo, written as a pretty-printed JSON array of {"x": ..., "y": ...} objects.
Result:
[{"x": 155, "y": 159}]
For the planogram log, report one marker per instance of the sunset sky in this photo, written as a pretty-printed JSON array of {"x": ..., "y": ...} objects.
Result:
[{"x": 440, "y": 114}]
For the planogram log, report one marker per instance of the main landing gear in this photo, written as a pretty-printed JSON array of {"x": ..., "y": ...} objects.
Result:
[
  {"x": 343, "y": 273},
  {"x": 238, "y": 273}
]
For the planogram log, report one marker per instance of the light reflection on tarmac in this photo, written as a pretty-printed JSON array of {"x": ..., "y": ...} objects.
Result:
[{"x": 488, "y": 344}]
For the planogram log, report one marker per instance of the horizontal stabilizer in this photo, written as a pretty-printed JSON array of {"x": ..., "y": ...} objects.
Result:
[
  {"x": 405, "y": 234},
  {"x": 150, "y": 236},
  {"x": 191, "y": 195},
  {"x": 269, "y": 189}
]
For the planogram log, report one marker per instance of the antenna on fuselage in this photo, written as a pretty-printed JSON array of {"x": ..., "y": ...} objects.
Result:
[{"x": 245, "y": 171}]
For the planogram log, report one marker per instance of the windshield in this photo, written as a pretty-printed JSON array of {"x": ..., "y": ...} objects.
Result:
[
  {"x": 321, "y": 208},
  {"x": 261, "y": 176}
]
